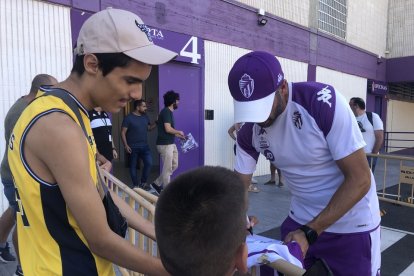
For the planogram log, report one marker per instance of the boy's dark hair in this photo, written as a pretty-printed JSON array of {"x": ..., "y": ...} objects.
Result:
[
  {"x": 170, "y": 97},
  {"x": 107, "y": 62},
  {"x": 138, "y": 103},
  {"x": 359, "y": 102},
  {"x": 200, "y": 222}
]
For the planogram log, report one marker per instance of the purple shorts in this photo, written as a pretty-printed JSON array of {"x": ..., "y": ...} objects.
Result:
[{"x": 346, "y": 254}]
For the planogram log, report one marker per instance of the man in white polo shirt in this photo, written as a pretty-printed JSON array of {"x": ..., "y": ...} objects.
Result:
[
  {"x": 371, "y": 127},
  {"x": 308, "y": 131}
]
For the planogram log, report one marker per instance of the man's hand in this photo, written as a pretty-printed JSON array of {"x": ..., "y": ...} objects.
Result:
[
  {"x": 299, "y": 237},
  {"x": 114, "y": 153},
  {"x": 180, "y": 134},
  {"x": 128, "y": 149}
]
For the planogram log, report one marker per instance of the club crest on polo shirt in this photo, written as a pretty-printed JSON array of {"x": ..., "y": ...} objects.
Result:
[
  {"x": 269, "y": 155},
  {"x": 263, "y": 143},
  {"x": 246, "y": 84},
  {"x": 144, "y": 29}
]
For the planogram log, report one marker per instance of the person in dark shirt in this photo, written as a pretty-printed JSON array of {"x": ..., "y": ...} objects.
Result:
[
  {"x": 165, "y": 140},
  {"x": 134, "y": 136},
  {"x": 102, "y": 132}
]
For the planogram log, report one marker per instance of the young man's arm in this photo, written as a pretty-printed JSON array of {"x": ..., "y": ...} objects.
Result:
[
  {"x": 355, "y": 186},
  {"x": 135, "y": 220},
  {"x": 124, "y": 140},
  {"x": 68, "y": 166},
  {"x": 103, "y": 162}
]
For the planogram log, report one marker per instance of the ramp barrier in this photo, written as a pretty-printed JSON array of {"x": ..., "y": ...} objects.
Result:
[
  {"x": 394, "y": 175},
  {"x": 143, "y": 203}
]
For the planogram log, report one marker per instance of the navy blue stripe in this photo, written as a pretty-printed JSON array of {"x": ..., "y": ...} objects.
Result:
[{"x": 75, "y": 255}]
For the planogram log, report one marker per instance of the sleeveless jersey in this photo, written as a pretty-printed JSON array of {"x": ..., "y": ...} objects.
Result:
[{"x": 50, "y": 240}]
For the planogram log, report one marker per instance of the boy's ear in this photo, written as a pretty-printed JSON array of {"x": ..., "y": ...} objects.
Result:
[
  {"x": 241, "y": 258},
  {"x": 91, "y": 63}
]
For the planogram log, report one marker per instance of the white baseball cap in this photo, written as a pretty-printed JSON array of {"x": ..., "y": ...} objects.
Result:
[{"x": 120, "y": 31}]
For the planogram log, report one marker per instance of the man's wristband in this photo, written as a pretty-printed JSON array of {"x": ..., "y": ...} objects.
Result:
[{"x": 310, "y": 234}]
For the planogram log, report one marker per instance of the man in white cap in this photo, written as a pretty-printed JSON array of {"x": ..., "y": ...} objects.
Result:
[
  {"x": 308, "y": 131},
  {"x": 62, "y": 226}
]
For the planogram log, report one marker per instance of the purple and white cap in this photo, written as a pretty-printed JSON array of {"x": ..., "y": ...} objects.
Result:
[{"x": 253, "y": 81}]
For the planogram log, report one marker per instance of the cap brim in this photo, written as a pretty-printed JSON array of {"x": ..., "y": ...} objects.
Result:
[
  {"x": 151, "y": 54},
  {"x": 256, "y": 111}
]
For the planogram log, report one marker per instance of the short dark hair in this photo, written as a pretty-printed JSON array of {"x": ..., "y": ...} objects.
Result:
[
  {"x": 200, "y": 222},
  {"x": 170, "y": 97},
  {"x": 138, "y": 103},
  {"x": 359, "y": 102},
  {"x": 107, "y": 62}
]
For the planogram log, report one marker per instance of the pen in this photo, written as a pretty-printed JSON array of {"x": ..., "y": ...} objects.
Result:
[{"x": 250, "y": 229}]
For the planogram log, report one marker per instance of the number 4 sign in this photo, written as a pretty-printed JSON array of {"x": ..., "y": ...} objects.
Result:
[{"x": 190, "y": 50}]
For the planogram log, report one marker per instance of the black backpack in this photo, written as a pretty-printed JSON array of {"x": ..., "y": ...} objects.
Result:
[{"x": 369, "y": 115}]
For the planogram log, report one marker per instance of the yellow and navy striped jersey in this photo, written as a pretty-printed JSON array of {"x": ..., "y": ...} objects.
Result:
[{"x": 50, "y": 240}]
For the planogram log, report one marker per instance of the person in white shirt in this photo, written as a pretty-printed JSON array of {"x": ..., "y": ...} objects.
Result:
[
  {"x": 371, "y": 127},
  {"x": 308, "y": 131}
]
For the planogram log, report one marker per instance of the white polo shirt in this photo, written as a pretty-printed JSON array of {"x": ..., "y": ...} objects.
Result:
[
  {"x": 316, "y": 128},
  {"x": 369, "y": 133}
]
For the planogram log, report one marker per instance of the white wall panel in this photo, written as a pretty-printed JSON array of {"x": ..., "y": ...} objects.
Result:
[
  {"x": 367, "y": 25},
  {"x": 349, "y": 85},
  {"x": 35, "y": 38},
  {"x": 219, "y": 58},
  {"x": 401, "y": 28},
  {"x": 294, "y": 10},
  {"x": 400, "y": 119}
]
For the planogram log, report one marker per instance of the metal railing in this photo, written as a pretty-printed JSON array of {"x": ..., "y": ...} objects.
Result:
[
  {"x": 144, "y": 204},
  {"x": 394, "y": 176},
  {"x": 398, "y": 140}
]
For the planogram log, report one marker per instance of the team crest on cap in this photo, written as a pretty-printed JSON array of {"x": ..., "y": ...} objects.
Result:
[
  {"x": 144, "y": 29},
  {"x": 246, "y": 84}
]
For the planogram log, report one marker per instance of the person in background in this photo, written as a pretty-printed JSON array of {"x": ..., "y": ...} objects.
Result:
[
  {"x": 7, "y": 220},
  {"x": 165, "y": 140},
  {"x": 134, "y": 136},
  {"x": 308, "y": 131},
  {"x": 62, "y": 223},
  {"x": 272, "y": 180},
  {"x": 371, "y": 127},
  {"x": 200, "y": 223},
  {"x": 102, "y": 132}
]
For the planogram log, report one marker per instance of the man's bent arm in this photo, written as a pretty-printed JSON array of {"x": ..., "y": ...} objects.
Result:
[
  {"x": 355, "y": 186},
  {"x": 169, "y": 129},
  {"x": 68, "y": 166}
]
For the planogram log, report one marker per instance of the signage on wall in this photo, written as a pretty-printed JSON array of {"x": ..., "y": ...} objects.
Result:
[
  {"x": 189, "y": 48},
  {"x": 377, "y": 87}
]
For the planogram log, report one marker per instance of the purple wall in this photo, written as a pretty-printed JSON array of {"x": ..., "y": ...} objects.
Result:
[
  {"x": 235, "y": 24},
  {"x": 400, "y": 69}
]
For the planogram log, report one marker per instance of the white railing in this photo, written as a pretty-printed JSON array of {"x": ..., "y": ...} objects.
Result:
[
  {"x": 143, "y": 203},
  {"x": 394, "y": 175}
]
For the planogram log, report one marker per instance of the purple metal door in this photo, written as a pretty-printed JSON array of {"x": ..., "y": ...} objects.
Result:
[{"x": 189, "y": 117}]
